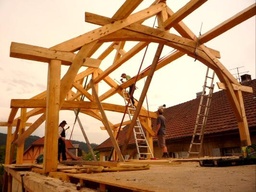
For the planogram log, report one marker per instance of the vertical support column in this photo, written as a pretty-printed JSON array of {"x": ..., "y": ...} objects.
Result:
[
  {"x": 243, "y": 125},
  {"x": 7, "y": 184},
  {"x": 52, "y": 117},
  {"x": 106, "y": 123},
  {"x": 8, "y": 154},
  {"x": 20, "y": 148}
]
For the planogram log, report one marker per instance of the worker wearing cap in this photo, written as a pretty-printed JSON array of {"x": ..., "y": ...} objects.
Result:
[
  {"x": 61, "y": 141},
  {"x": 131, "y": 87}
]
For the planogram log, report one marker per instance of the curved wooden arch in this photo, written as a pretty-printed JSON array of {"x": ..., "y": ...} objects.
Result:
[{"x": 78, "y": 53}]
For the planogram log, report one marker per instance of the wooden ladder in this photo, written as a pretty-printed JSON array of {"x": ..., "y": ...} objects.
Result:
[
  {"x": 142, "y": 145},
  {"x": 195, "y": 147}
]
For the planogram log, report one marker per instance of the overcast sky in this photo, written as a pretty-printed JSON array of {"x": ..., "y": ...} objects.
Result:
[{"x": 50, "y": 22}]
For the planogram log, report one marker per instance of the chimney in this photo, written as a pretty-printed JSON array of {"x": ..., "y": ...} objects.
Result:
[
  {"x": 245, "y": 77},
  {"x": 198, "y": 94}
]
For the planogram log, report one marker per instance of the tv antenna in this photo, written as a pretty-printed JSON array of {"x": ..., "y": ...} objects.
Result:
[{"x": 238, "y": 73}]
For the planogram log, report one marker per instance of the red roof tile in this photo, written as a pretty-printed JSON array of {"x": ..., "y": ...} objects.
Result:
[
  {"x": 180, "y": 119},
  {"x": 40, "y": 141}
]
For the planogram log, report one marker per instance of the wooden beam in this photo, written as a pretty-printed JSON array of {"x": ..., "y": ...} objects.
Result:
[
  {"x": 123, "y": 59},
  {"x": 236, "y": 87},
  {"x": 35, "y": 53},
  {"x": 228, "y": 24},
  {"x": 116, "y": 126},
  {"x": 8, "y": 151},
  {"x": 68, "y": 79},
  {"x": 21, "y": 130},
  {"x": 106, "y": 124},
  {"x": 80, "y": 88},
  {"x": 52, "y": 117},
  {"x": 231, "y": 96},
  {"x": 30, "y": 130},
  {"x": 12, "y": 115},
  {"x": 7, "y": 124},
  {"x": 84, "y": 74},
  {"x": 71, "y": 105},
  {"x": 75, "y": 43},
  {"x": 146, "y": 33},
  {"x": 90, "y": 62},
  {"x": 183, "y": 12},
  {"x": 85, "y": 136},
  {"x": 126, "y": 9},
  {"x": 243, "y": 124},
  {"x": 145, "y": 125}
]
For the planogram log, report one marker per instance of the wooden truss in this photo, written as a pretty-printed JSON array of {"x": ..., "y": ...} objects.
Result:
[{"x": 78, "y": 54}]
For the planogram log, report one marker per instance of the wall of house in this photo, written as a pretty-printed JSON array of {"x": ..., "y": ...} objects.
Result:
[
  {"x": 131, "y": 154},
  {"x": 215, "y": 145},
  {"x": 224, "y": 144},
  {"x": 31, "y": 155}
]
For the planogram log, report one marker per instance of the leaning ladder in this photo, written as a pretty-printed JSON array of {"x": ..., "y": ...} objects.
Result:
[
  {"x": 142, "y": 145},
  {"x": 195, "y": 147}
]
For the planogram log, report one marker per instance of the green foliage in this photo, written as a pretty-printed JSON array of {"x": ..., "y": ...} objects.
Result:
[
  {"x": 27, "y": 144},
  {"x": 2, "y": 156},
  {"x": 89, "y": 157},
  {"x": 2, "y": 153},
  {"x": 83, "y": 145},
  {"x": 32, "y": 138}
]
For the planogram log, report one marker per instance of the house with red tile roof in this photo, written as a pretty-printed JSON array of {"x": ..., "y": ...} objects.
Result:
[
  {"x": 221, "y": 135},
  {"x": 37, "y": 148}
]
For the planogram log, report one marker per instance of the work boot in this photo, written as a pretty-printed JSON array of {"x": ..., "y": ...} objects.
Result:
[{"x": 165, "y": 155}]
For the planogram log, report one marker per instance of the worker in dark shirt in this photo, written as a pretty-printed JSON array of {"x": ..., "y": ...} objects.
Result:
[
  {"x": 61, "y": 141},
  {"x": 161, "y": 132}
]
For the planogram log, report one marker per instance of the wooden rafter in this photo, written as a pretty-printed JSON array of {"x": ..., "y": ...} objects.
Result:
[
  {"x": 228, "y": 24},
  {"x": 183, "y": 12}
]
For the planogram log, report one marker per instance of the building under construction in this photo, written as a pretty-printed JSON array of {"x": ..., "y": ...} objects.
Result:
[{"x": 78, "y": 90}]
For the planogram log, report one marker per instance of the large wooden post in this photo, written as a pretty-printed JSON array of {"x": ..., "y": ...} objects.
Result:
[
  {"x": 243, "y": 125},
  {"x": 8, "y": 155},
  {"x": 21, "y": 130},
  {"x": 52, "y": 117}
]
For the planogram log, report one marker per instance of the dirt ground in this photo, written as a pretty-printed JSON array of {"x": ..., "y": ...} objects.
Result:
[
  {"x": 160, "y": 177},
  {"x": 191, "y": 177},
  {"x": 186, "y": 176}
]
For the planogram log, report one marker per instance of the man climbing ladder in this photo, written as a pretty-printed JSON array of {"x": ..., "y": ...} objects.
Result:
[{"x": 131, "y": 87}]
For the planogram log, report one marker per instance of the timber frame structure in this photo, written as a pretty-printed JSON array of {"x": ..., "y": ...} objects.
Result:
[{"x": 78, "y": 54}]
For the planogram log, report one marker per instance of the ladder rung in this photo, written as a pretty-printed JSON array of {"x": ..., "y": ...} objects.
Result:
[
  {"x": 202, "y": 115},
  {"x": 195, "y": 153},
  {"x": 141, "y": 139},
  {"x": 202, "y": 105},
  {"x": 209, "y": 87},
  {"x": 195, "y": 143},
  {"x": 209, "y": 77},
  {"x": 145, "y": 153}
]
